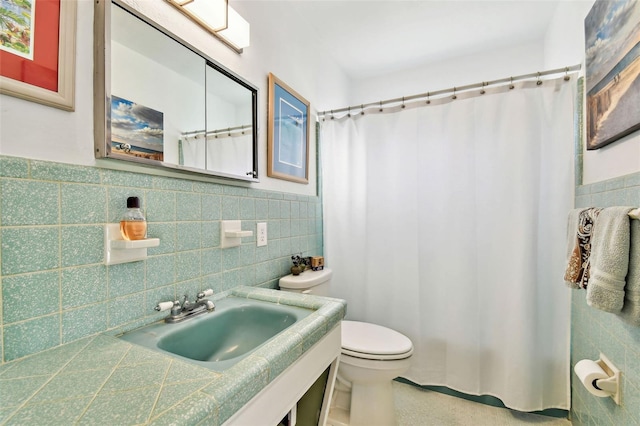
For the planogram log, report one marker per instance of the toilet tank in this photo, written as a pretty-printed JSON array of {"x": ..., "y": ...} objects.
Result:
[{"x": 308, "y": 282}]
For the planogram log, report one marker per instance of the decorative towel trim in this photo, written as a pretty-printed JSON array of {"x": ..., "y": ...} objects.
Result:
[{"x": 579, "y": 264}]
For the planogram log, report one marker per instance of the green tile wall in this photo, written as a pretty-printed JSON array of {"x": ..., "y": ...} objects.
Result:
[
  {"x": 594, "y": 331},
  {"x": 54, "y": 287}
]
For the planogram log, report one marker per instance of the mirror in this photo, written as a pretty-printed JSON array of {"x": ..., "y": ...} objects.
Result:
[{"x": 166, "y": 104}]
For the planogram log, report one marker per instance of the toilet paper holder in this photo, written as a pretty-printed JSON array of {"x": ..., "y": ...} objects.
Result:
[{"x": 612, "y": 384}]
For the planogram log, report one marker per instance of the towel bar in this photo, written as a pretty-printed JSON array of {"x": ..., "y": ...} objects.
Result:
[{"x": 635, "y": 213}]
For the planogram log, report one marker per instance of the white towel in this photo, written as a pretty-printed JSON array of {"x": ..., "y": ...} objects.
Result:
[
  {"x": 609, "y": 259},
  {"x": 631, "y": 309}
]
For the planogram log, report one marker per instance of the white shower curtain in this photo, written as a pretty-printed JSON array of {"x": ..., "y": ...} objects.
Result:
[{"x": 447, "y": 223}]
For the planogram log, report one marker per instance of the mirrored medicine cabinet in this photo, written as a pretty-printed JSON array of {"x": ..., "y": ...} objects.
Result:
[{"x": 162, "y": 102}]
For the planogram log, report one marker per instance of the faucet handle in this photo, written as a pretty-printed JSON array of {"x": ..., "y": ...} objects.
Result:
[
  {"x": 163, "y": 306},
  {"x": 206, "y": 293}
]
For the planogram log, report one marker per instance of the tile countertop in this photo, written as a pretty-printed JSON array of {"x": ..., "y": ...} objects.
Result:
[{"x": 105, "y": 380}]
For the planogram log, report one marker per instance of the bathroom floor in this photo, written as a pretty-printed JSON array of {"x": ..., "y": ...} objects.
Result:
[{"x": 418, "y": 407}]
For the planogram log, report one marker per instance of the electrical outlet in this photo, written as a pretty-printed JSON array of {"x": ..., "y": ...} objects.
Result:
[{"x": 262, "y": 234}]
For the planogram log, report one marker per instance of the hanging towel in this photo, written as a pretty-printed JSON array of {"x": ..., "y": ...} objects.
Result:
[
  {"x": 609, "y": 259},
  {"x": 572, "y": 271},
  {"x": 631, "y": 308},
  {"x": 579, "y": 232}
]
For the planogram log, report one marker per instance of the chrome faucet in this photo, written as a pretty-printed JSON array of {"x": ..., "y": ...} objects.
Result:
[{"x": 187, "y": 309}]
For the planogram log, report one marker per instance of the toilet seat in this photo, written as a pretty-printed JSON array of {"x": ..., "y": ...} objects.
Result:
[{"x": 375, "y": 342}]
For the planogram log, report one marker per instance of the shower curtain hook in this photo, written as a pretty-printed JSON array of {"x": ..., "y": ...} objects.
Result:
[
  {"x": 566, "y": 74},
  {"x": 539, "y": 82},
  {"x": 482, "y": 91},
  {"x": 511, "y": 86},
  {"x": 332, "y": 116},
  {"x": 361, "y": 109},
  {"x": 403, "y": 105},
  {"x": 428, "y": 100},
  {"x": 349, "y": 112},
  {"x": 454, "y": 97},
  {"x": 380, "y": 107}
]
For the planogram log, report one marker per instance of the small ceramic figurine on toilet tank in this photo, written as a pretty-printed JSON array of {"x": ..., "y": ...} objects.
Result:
[
  {"x": 317, "y": 263},
  {"x": 298, "y": 265}
]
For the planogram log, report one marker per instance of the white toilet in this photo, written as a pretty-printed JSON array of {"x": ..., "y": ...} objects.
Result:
[{"x": 372, "y": 356}]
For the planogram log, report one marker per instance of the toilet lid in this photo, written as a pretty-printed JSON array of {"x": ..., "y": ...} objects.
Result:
[{"x": 371, "y": 341}]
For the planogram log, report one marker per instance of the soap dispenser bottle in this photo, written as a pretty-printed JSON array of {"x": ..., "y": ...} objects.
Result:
[{"x": 133, "y": 225}]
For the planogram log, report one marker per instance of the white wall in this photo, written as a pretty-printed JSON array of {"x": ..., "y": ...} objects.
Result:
[
  {"x": 565, "y": 42},
  {"x": 482, "y": 66},
  {"x": 34, "y": 131}
]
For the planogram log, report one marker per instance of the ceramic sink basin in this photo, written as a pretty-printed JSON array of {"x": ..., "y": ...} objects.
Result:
[{"x": 219, "y": 339}]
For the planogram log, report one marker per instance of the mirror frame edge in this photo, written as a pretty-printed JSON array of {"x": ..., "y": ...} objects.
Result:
[{"x": 102, "y": 97}]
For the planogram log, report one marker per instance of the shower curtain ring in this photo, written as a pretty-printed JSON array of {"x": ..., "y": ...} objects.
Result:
[
  {"x": 511, "y": 86},
  {"x": 454, "y": 97},
  {"x": 380, "y": 107},
  {"x": 362, "y": 109},
  {"x": 349, "y": 113},
  {"x": 538, "y": 82},
  {"x": 332, "y": 116},
  {"x": 482, "y": 91},
  {"x": 428, "y": 96},
  {"x": 566, "y": 74},
  {"x": 403, "y": 105}
]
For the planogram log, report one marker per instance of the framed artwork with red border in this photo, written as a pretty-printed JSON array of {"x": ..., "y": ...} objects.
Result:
[{"x": 37, "y": 51}]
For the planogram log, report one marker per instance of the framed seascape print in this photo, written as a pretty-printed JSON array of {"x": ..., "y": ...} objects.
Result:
[
  {"x": 288, "y": 133},
  {"x": 136, "y": 130},
  {"x": 37, "y": 51},
  {"x": 612, "y": 36}
]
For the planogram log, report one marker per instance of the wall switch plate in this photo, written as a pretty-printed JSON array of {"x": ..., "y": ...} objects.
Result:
[{"x": 262, "y": 234}]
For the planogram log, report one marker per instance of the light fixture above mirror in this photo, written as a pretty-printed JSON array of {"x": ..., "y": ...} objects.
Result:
[{"x": 218, "y": 18}]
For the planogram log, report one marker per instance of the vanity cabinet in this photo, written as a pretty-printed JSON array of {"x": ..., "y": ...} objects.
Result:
[{"x": 280, "y": 396}]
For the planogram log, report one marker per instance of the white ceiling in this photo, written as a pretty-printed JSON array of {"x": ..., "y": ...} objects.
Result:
[{"x": 369, "y": 38}]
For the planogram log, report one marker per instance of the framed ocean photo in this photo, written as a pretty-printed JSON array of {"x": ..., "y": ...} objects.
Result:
[
  {"x": 612, "y": 56},
  {"x": 136, "y": 130}
]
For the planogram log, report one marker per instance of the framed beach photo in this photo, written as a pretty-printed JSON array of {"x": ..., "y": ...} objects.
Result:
[
  {"x": 612, "y": 38},
  {"x": 136, "y": 130},
  {"x": 37, "y": 51},
  {"x": 288, "y": 133}
]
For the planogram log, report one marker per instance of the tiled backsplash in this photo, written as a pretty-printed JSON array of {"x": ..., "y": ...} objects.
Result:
[
  {"x": 54, "y": 285},
  {"x": 594, "y": 331}
]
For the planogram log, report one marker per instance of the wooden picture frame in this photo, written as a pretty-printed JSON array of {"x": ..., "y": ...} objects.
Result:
[
  {"x": 288, "y": 129},
  {"x": 612, "y": 46},
  {"x": 28, "y": 69}
]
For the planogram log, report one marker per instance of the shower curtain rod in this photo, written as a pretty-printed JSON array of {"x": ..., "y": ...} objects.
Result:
[
  {"x": 454, "y": 90},
  {"x": 217, "y": 131}
]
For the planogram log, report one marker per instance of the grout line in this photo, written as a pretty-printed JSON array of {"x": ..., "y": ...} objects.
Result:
[{"x": 54, "y": 375}]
